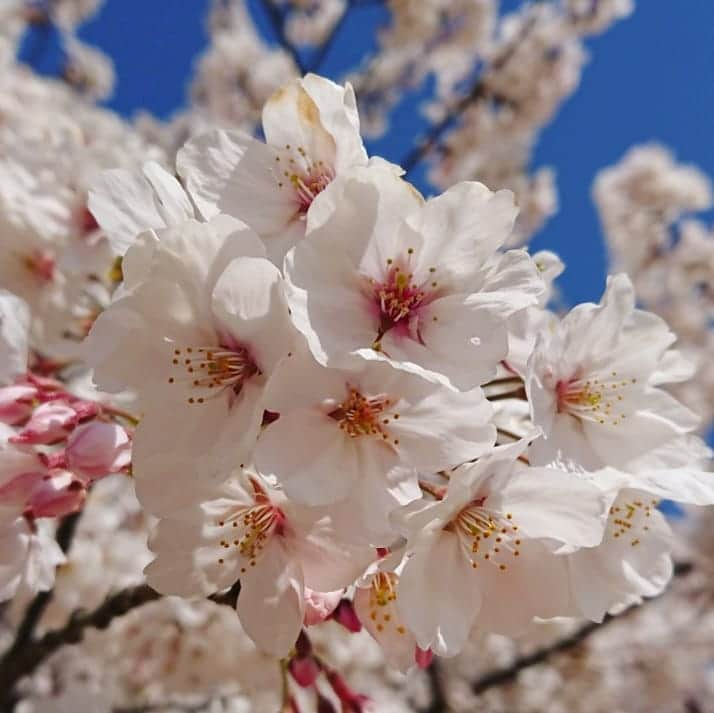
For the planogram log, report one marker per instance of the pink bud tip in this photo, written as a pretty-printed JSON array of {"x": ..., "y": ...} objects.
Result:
[
  {"x": 423, "y": 657},
  {"x": 346, "y": 615},
  {"x": 304, "y": 670}
]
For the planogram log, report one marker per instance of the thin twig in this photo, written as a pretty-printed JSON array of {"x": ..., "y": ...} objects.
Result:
[
  {"x": 479, "y": 90},
  {"x": 438, "y": 697},
  {"x": 517, "y": 394},
  {"x": 277, "y": 20},
  {"x": 511, "y": 673},
  {"x": 327, "y": 45},
  {"x": 19, "y": 662}
]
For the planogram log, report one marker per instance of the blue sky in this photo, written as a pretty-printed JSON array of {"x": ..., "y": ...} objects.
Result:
[{"x": 649, "y": 78}]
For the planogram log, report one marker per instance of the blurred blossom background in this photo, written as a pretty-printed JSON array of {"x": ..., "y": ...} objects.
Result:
[{"x": 596, "y": 113}]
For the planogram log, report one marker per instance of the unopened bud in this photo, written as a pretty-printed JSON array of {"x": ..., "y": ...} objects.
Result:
[
  {"x": 50, "y": 423},
  {"x": 16, "y": 403},
  {"x": 304, "y": 670},
  {"x": 346, "y": 615},
  {"x": 57, "y": 494},
  {"x": 423, "y": 657},
  {"x": 319, "y": 605},
  {"x": 96, "y": 449}
]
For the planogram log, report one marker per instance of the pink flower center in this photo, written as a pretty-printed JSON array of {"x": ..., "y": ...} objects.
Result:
[
  {"x": 399, "y": 299},
  {"x": 210, "y": 371},
  {"x": 306, "y": 178},
  {"x": 247, "y": 529},
  {"x": 593, "y": 399}
]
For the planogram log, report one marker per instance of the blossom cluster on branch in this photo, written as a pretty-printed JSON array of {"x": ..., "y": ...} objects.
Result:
[{"x": 276, "y": 429}]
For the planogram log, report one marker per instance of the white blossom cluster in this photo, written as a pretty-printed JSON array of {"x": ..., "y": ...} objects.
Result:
[
  {"x": 345, "y": 434},
  {"x": 646, "y": 205}
]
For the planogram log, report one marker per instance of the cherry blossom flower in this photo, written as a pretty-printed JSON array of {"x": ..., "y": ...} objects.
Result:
[
  {"x": 200, "y": 326},
  {"x": 312, "y": 132},
  {"x": 489, "y": 554},
  {"x": 384, "y": 274},
  {"x": 251, "y": 532},
  {"x": 357, "y": 434},
  {"x": 28, "y": 557},
  {"x": 634, "y": 558},
  {"x": 593, "y": 383}
]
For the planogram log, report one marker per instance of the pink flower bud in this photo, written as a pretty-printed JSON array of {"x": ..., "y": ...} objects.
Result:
[
  {"x": 85, "y": 409},
  {"x": 304, "y": 670},
  {"x": 50, "y": 423},
  {"x": 351, "y": 701},
  {"x": 96, "y": 449},
  {"x": 16, "y": 403},
  {"x": 56, "y": 495},
  {"x": 423, "y": 657},
  {"x": 346, "y": 615},
  {"x": 319, "y": 605}
]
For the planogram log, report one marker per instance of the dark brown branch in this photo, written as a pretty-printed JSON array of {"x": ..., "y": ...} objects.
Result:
[
  {"x": 20, "y": 662},
  {"x": 438, "y": 697},
  {"x": 277, "y": 21},
  {"x": 517, "y": 394},
  {"x": 511, "y": 673},
  {"x": 479, "y": 90},
  {"x": 327, "y": 45}
]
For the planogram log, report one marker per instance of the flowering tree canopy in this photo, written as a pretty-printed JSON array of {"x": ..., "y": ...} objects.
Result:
[{"x": 350, "y": 428}]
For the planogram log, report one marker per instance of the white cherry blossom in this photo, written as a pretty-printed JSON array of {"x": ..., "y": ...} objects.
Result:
[
  {"x": 593, "y": 383},
  {"x": 28, "y": 556},
  {"x": 312, "y": 135},
  {"x": 386, "y": 275},
  {"x": 253, "y": 533},
  {"x": 199, "y": 327},
  {"x": 358, "y": 434},
  {"x": 491, "y": 553}
]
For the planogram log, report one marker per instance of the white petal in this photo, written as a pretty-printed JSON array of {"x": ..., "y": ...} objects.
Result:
[
  {"x": 310, "y": 456},
  {"x": 438, "y": 596},
  {"x": 270, "y": 605}
]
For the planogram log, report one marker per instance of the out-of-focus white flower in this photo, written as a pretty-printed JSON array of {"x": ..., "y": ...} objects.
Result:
[
  {"x": 28, "y": 556},
  {"x": 14, "y": 329}
]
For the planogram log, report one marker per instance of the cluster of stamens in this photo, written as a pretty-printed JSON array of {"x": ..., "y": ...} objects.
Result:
[
  {"x": 305, "y": 177},
  {"x": 382, "y": 595},
  {"x": 630, "y": 519},
  {"x": 211, "y": 370},
  {"x": 593, "y": 399},
  {"x": 398, "y": 296},
  {"x": 249, "y": 529},
  {"x": 360, "y": 415},
  {"x": 486, "y": 536}
]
